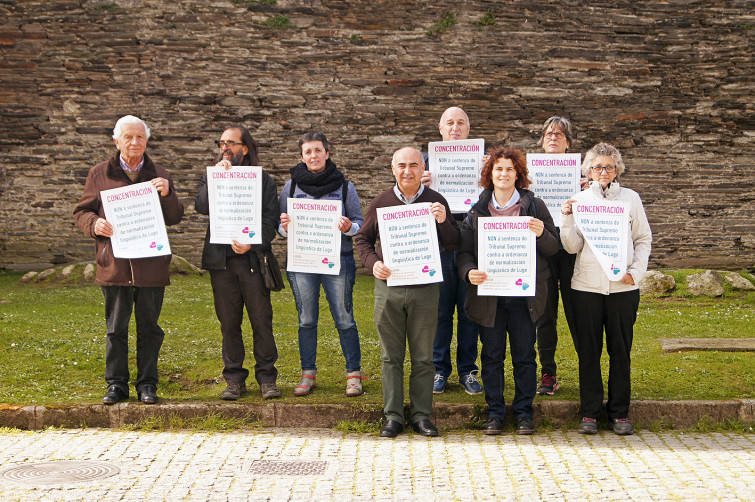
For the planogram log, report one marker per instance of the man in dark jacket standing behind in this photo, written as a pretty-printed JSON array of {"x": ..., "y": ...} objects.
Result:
[
  {"x": 129, "y": 284},
  {"x": 237, "y": 281}
]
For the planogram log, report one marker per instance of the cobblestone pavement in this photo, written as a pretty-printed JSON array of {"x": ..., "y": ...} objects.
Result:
[{"x": 318, "y": 464}]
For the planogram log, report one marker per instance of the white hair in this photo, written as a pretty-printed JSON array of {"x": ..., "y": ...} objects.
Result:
[{"x": 128, "y": 119}]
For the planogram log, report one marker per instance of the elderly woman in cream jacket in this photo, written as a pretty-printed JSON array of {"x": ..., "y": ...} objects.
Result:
[{"x": 603, "y": 304}]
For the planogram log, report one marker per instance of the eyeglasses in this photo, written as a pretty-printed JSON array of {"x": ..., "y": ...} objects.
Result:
[
  {"x": 597, "y": 169},
  {"x": 229, "y": 144},
  {"x": 557, "y": 135}
]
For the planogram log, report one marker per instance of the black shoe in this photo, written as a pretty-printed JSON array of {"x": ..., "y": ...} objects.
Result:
[
  {"x": 588, "y": 426},
  {"x": 425, "y": 427},
  {"x": 114, "y": 395},
  {"x": 622, "y": 427},
  {"x": 524, "y": 425},
  {"x": 493, "y": 426},
  {"x": 148, "y": 394},
  {"x": 391, "y": 429}
]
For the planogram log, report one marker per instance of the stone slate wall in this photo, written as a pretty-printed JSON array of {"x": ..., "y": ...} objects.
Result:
[{"x": 670, "y": 83}]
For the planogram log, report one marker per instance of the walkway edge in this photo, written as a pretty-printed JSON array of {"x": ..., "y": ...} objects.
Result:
[{"x": 677, "y": 414}]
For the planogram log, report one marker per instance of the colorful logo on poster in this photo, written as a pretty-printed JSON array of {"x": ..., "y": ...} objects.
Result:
[
  {"x": 524, "y": 285},
  {"x": 328, "y": 263},
  {"x": 156, "y": 245},
  {"x": 428, "y": 270},
  {"x": 246, "y": 231}
]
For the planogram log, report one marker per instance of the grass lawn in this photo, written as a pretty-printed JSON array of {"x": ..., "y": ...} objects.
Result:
[{"x": 52, "y": 343}]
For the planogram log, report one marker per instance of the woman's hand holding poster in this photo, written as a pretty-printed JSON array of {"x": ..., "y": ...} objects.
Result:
[
  {"x": 137, "y": 219},
  {"x": 506, "y": 252},
  {"x": 555, "y": 178},
  {"x": 409, "y": 241},
  {"x": 604, "y": 225},
  {"x": 235, "y": 196},
  {"x": 456, "y": 167},
  {"x": 314, "y": 241}
]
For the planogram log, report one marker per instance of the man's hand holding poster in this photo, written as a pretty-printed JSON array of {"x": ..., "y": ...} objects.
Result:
[
  {"x": 555, "y": 178},
  {"x": 235, "y": 197},
  {"x": 604, "y": 226},
  {"x": 137, "y": 219},
  {"x": 409, "y": 241},
  {"x": 506, "y": 253},
  {"x": 456, "y": 166},
  {"x": 314, "y": 241}
]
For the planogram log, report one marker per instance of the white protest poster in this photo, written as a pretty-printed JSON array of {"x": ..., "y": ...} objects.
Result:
[
  {"x": 506, "y": 252},
  {"x": 137, "y": 219},
  {"x": 235, "y": 197},
  {"x": 409, "y": 241},
  {"x": 456, "y": 166},
  {"x": 555, "y": 178},
  {"x": 314, "y": 241},
  {"x": 605, "y": 227}
]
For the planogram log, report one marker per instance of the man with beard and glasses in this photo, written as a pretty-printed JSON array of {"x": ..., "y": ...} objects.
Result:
[{"x": 237, "y": 281}]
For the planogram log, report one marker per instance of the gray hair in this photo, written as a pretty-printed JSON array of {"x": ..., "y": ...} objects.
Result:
[
  {"x": 393, "y": 159},
  {"x": 128, "y": 119},
  {"x": 563, "y": 124},
  {"x": 603, "y": 149}
]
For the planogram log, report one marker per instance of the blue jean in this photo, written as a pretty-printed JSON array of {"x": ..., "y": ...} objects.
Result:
[
  {"x": 512, "y": 316},
  {"x": 453, "y": 292},
  {"x": 338, "y": 291}
]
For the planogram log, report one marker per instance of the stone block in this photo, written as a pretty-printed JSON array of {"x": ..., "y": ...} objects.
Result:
[
  {"x": 656, "y": 283},
  {"x": 683, "y": 413},
  {"x": 17, "y": 417},
  {"x": 706, "y": 283},
  {"x": 321, "y": 415},
  {"x": 738, "y": 282},
  {"x": 454, "y": 416},
  {"x": 73, "y": 416}
]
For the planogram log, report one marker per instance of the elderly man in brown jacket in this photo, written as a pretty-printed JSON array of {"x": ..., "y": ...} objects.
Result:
[{"x": 129, "y": 284}]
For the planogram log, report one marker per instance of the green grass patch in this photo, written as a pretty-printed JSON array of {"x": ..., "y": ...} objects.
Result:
[
  {"x": 353, "y": 426},
  {"x": 488, "y": 19},
  {"x": 52, "y": 341},
  {"x": 278, "y": 22},
  {"x": 207, "y": 423},
  {"x": 447, "y": 20}
]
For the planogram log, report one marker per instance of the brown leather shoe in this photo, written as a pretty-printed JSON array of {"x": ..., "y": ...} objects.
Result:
[
  {"x": 233, "y": 391},
  {"x": 270, "y": 390}
]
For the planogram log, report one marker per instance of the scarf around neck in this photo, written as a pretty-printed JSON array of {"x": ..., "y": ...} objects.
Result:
[{"x": 317, "y": 184}]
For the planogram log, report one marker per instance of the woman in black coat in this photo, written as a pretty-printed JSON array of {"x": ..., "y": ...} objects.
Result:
[{"x": 505, "y": 179}]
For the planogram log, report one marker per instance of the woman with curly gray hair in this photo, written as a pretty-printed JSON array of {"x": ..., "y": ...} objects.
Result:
[{"x": 602, "y": 304}]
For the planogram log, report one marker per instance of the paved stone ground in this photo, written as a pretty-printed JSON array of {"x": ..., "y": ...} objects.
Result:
[{"x": 558, "y": 465}]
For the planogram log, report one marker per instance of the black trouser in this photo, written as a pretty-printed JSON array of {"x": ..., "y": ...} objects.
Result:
[
  {"x": 146, "y": 303},
  {"x": 237, "y": 286},
  {"x": 562, "y": 268},
  {"x": 616, "y": 314}
]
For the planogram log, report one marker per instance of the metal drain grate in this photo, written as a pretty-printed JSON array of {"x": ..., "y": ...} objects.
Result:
[
  {"x": 289, "y": 467},
  {"x": 62, "y": 471}
]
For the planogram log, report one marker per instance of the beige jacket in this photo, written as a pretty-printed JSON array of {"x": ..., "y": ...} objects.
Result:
[{"x": 588, "y": 275}]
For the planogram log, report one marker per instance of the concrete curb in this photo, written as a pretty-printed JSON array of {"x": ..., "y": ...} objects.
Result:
[{"x": 678, "y": 414}]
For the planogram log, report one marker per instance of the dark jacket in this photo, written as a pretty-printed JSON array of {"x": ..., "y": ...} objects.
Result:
[
  {"x": 214, "y": 255},
  {"x": 482, "y": 309},
  {"x": 111, "y": 271}
]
